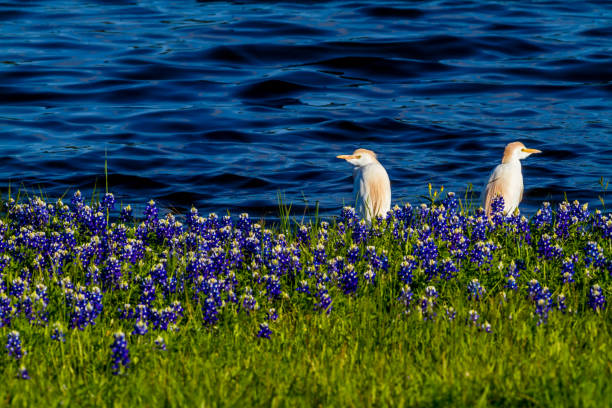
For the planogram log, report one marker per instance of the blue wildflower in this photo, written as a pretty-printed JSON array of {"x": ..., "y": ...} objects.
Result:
[
  {"x": 473, "y": 317},
  {"x": 160, "y": 344},
  {"x": 561, "y": 306},
  {"x": 547, "y": 250},
  {"x": 140, "y": 328},
  {"x": 353, "y": 254},
  {"x": 450, "y": 312},
  {"x": 543, "y": 216},
  {"x": 360, "y": 233},
  {"x": 349, "y": 280},
  {"x": 13, "y": 345},
  {"x": 475, "y": 290},
  {"x": 23, "y": 373},
  {"x": 272, "y": 315},
  {"x": 407, "y": 268},
  {"x": 568, "y": 269},
  {"x": 120, "y": 353},
  {"x": 264, "y": 331},
  {"x": 593, "y": 254},
  {"x": 597, "y": 300},
  {"x": 405, "y": 297},
  {"x": 58, "y": 334}
]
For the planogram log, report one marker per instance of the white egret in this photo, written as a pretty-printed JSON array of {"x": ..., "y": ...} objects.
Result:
[
  {"x": 507, "y": 179},
  {"x": 371, "y": 186}
]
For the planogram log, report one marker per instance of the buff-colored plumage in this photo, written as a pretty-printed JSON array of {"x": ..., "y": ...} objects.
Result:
[
  {"x": 506, "y": 180},
  {"x": 371, "y": 185}
]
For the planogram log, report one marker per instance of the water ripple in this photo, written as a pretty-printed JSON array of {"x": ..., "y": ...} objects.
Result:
[{"x": 223, "y": 105}]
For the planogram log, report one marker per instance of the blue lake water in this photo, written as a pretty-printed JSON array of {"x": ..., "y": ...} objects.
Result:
[{"x": 222, "y": 105}]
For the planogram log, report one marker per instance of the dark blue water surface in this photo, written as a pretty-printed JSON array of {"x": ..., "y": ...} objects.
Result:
[{"x": 221, "y": 105}]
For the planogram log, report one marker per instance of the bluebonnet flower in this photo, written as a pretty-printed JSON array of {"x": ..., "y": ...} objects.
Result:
[
  {"x": 13, "y": 345},
  {"x": 543, "y": 216},
  {"x": 547, "y": 250},
  {"x": 323, "y": 233},
  {"x": 18, "y": 287},
  {"x": 475, "y": 290},
  {"x": 597, "y": 300},
  {"x": 544, "y": 302},
  {"x": 319, "y": 255},
  {"x": 140, "y": 328},
  {"x": 406, "y": 214},
  {"x": 430, "y": 268},
  {"x": 497, "y": 211},
  {"x": 459, "y": 244},
  {"x": 479, "y": 229},
  {"x": 360, "y": 233},
  {"x": 564, "y": 219},
  {"x": 604, "y": 224},
  {"x": 451, "y": 203},
  {"x": 303, "y": 287},
  {"x": 512, "y": 274},
  {"x": 111, "y": 274},
  {"x": 120, "y": 353},
  {"x": 150, "y": 212},
  {"x": 272, "y": 315},
  {"x": 348, "y": 216},
  {"x": 335, "y": 266},
  {"x": 77, "y": 199},
  {"x": 405, "y": 298},
  {"x": 568, "y": 269},
  {"x": 593, "y": 254},
  {"x": 126, "y": 215},
  {"x": 473, "y": 317},
  {"x": 511, "y": 284},
  {"x": 244, "y": 223},
  {"x": 210, "y": 309},
  {"x": 264, "y": 331},
  {"x": 273, "y": 286},
  {"x": 324, "y": 301},
  {"x": 448, "y": 269},
  {"x": 349, "y": 280},
  {"x": 58, "y": 334},
  {"x": 486, "y": 326},
  {"x": 23, "y": 373},
  {"x": 86, "y": 307},
  {"x": 108, "y": 201},
  {"x": 369, "y": 275},
  {"x": 160, "y": 344},
  {"x": 561, "y": 306},
  {"x": 303, "y": 235},
  {"x": 482, "y": 253},
  {"x": 524, "y": 229},
  {"x": 424, "y": 232},
  {"x": 426, "y": 250},
  {"x": 353, "y": 254},
  {"x": 428, "y": 302},
  {"x": 407, "y": 268},
  {"x": 451, "y": 313},
  {"x": 534, "y": 289},
  {"x": 248, "y": 301}
]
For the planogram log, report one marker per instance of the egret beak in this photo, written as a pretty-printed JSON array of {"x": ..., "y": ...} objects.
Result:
[
  {"x": 347, "y": 156},
  {"x": 526, "y": 150}
]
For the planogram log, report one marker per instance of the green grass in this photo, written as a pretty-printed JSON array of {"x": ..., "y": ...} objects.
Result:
[{"x": 367, "y": 352}]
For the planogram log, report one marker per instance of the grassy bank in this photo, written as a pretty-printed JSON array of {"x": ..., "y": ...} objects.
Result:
[{"x": 430, "y": 306}]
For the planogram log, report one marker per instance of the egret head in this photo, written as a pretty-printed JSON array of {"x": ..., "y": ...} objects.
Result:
[
  {"x": 517, "y": 151},
  {"x": 360, "y": 157}
]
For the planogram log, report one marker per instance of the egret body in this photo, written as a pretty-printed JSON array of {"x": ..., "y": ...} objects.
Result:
[
  {"x": 507, "y": 178},
  {"x": 371, "y": 186}
]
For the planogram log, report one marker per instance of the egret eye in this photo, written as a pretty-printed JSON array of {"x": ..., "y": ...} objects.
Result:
[{"x": 358, "y": 156}]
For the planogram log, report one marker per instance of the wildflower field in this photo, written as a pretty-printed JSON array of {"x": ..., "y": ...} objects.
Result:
[{"x": 434, "y": 305}]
